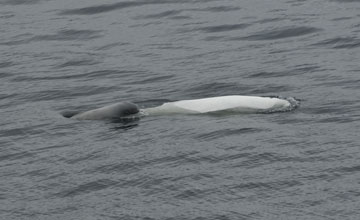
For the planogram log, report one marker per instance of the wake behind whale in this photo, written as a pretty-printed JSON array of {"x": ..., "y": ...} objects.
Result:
[{"x": 234, "y": 104}]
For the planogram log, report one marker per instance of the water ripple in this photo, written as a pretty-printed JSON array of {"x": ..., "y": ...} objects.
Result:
[
  {"x": 23, "y": 132},
  {"x": 291, "y": 72},
  {"x": 336, "y": 108},
  {"x": 4, "y": 65},
  {"x": 63, "y": 35},
  {"x": 216, "y": 88},
  {"x": 280, "y": 33},
  {"x": 271, "y": 88},
  {"x": 194, "y": 193},
  {"x": 55, "y": 56},
  {"x": 16, "y": 156},
  {"x": 132, "y": 166},
  {"x": 340, "y": 43},
  {"x": 102, "y": 8},
  {"x": 116, "y": 6},
  {"x": 61, "y": 93},
  {"x": 277, "y": 185},
  {"x": 78, "y": 63},
  {"x": 197, "y": 159},
  {"x": 345, "y": 1},
  {"x": 153, "y": 79},
  {"x": 226, "y": 132},
  {"x": 162, "y": 14},
  {"x": 19, "y": 2},
  {"x": 221, "y": 9},
  {"x": 109, "y": 73},
  {"x": 222, "y": 28},
  {"x": 88, "y": 187}
]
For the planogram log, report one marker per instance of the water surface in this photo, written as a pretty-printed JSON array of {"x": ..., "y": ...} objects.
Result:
[{"x": 79, "y": 55}]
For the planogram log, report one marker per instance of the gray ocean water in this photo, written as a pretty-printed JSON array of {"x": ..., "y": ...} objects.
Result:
[{"x": 78, "y": 55}]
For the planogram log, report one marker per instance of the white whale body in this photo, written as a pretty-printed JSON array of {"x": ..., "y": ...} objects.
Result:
[{"x": 233, "y": 103}]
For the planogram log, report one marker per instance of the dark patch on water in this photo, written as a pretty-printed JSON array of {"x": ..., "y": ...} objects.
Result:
[
  {"x": 344, "y": 83},
  {"x": 277, "y": 185},
  {"x": 89, "y": 75},
  {"x": 24, "y": 131},
  {"x": 180, "y": 17},
  {"x": 153, "y": 79},
  {"x": 222, "y": 28},
  {"x": 280, "y": 33},
  {"x": 338, "y": 107},
  {"x": 193, "y": 194},
  {"x": 221, "y": 9},
  {"x": 340, "y": 43},
  {"x": 16, "y": 156},
  {"x": 65, "y": 35},
  {"x": 342, "y": 18},
  {"x": 227, "y": 132},
  {"x": 86, "y": 156},
  {"x": 214, "y": 38},
  {"x": 336, "y": 119},
  {"x": 345, "y": 1},
  {"x": 111, "y": 46},
  {"x": 5, "y": 64},
  {"x": 6, "y": 15},
  {"x": 218, "y": 89},
  {"x": 88, "y": 187},
  {"x": 229, "y": 158},
  {"x": 18, "y": 39},
  {"x": 6, "y": 96},
  {"x": 125, "y": 124},
  {"x": 71, "y": 63},
  {"x": 121, "y": 5},
  {"x": 164, "y": 14},
  {"x": 266, "y": 74},
  {"x": 111, "y": 7},
  {"x": 4, "y": 74},
  {"x": 19, "y": 2},
  {"x": 102, "y": 8},
  {"x": 128, "y": 167},
  {"x": 262, "y": 159},
  {"x": 56, "y": 94},
  {"x": 267, "y": 20},
  {"x": 348, "y": 170},
  {"x": 291, "y": 72},
  {"x": 271, "y": 88}
]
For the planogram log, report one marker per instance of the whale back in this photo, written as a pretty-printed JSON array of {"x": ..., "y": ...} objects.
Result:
[
  {"x": 114, "y": 111},
  {"x": 235, "y": 103}
]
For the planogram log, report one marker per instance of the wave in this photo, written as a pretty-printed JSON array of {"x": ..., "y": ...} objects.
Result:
[{"x": 285, "y": 32}]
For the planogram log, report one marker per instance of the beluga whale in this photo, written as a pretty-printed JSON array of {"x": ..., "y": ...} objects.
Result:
[
  {"x": 114, "y": 111},
  {"x": 232, "y": 103}
]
